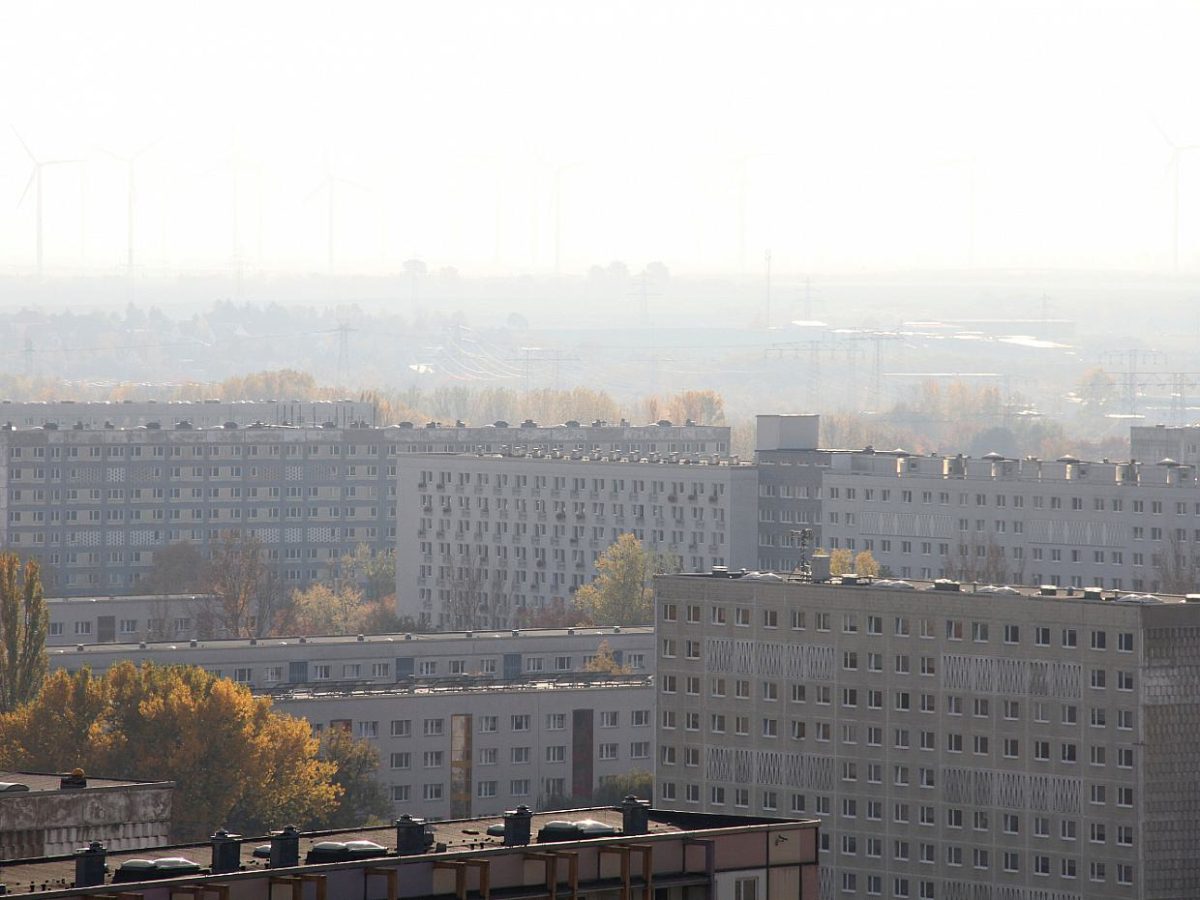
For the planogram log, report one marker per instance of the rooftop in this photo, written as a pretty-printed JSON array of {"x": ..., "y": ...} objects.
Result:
[
  {"x": 338, "y": 640},
  {"x": 55, "y": 876},
  {"x": 580, "y": 455},
  {"x": 44, "y": 782},
  {"x": 948, "y": 586},
  {"x": 461, "y": 684}
]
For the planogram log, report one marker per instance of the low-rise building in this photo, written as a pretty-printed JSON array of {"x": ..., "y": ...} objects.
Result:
[
  {"x": 268, "y": 664},
  {"x": 107, "y": 620},
  {"x": 47, "y": 815},
  {"x": 459, "y": 748},
  {"x": 603, "y": 853}
]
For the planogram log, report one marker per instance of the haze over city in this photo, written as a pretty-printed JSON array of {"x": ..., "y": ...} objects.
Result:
[{"x": 535, "y": 138}]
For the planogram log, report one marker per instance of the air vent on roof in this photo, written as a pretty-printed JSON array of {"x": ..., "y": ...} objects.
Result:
[
  {"x": 336, "y": 851},
  {"x": 12, "y": 787},
  {"x": 561, "y": 830},
  {"x": 946, "y": 584}
]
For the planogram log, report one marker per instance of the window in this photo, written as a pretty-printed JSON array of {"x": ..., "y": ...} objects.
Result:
[
  {"x": 519, "y": 755},
  {"x": 556, "y": 753},
  {"x": 521, "y": 722},
  {"x": 608, "y": 719},
  {"x": 489, "y": 756},
  {"x": 433, "y": 791},
  {"x": 489, "y": 724},
  {"x": 364, "y": 729},
  {"x": 519, "y": 787},
  {"x": 401, "y": 727},
  {"x": 401, "y": 760},
  {"x": 401, "y": 793},
  {"x": 434, "y": 727}
]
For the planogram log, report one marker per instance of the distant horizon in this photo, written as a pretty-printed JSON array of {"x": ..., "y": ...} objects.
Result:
[{"x": 535, "y": 138}]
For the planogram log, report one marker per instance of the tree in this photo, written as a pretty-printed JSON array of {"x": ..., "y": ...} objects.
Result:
[
  {"x": 245, "y": 591},
  {"x": 615, "y": 788},
  {"x": 865, "y": 564},
  {"x": 605, "y": 661},
  {"x": 24, "y": 623},
  {"x": 373, "y": 573},
  {"x": 234, "y": 760},
  {"x": 362, "y": 801},
  {"x": 621, "y": 593},
  {"x": 320, "y": 609},
  {"x": 841, "y": 561},
  {"x": 178, "y": 569}
]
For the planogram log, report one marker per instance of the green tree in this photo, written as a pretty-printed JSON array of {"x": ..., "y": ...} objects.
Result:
[
  {"x": 373, "y": 573},
  {"x": 363, "y": 800},
  {"x": 320, "y": 609},
  {"x": 23, "y": 627},
  {"x": 615, "y": 788},
  {"x": 234, "y": 760},
  {"x": 621, "y": 593}
]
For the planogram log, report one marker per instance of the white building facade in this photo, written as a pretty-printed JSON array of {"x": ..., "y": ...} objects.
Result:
[{"x": 487, "y": 539}]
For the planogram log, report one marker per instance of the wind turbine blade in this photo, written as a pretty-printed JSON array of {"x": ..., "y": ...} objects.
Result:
[
  {"x": 325, "y": 183},
  {"x": 150, "y": 146},
  {"x": 23, "y": 144},
  {"x": 28, "y": 185},
  {"x": 1160, "y": 130},
  {"x": 353, "y": 184}
]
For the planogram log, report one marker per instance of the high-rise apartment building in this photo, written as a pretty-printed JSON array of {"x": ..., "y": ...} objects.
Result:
[
  {"x": 486, "y": 540},
  {"x": 95, "y": 504},
  {"x": 1018, "y": 745}
]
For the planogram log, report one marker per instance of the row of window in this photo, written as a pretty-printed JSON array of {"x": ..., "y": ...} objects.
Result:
[
  {"x": 902, "y": 626},
  {"x": 490, "y": 756},
  {"x": 435, "y": 727},
  {"x": 1002, "y": 501}
]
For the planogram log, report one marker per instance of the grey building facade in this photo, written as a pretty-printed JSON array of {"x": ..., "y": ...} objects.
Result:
[
  {"x": 95, "y": 504},
  {"x": 954, "y": 744}
]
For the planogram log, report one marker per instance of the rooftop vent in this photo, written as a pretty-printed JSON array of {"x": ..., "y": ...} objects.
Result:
[
  {"x": 285, "y": 848},
  {"x": 517, "y": 826},
  {"x": 226, "y": 852},
  {"x": 153, "y": 869},
  {"x": 558, "y": 830},
  {"x": 12, "y": 787},
  {"x": 77, "y": 779},
  {"x": 89, "y": 865},
  {"x": 336, "y": 851},
  {"x": 411, "y": 836},
  {"x": 947, "y": 584},
  {"x": 635, "y": 815},
  {"x": 1048, "y": 590}
]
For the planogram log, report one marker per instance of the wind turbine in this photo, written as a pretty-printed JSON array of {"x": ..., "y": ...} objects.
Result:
[
  {"x": 1177, "y": 152},
  {"x": 130, "y": 162},
  {"x": 558, "y": 174},
  {"x": 35, "y": 181},
  {"x": 329, "y": 185}
]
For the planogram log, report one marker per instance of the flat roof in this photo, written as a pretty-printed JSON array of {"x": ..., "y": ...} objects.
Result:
[
  {"x": 451, "y": 836},
  {"x": 43, "y": 782},
  {"x": 603, "y": 631},
  {"x": 463, "y": 684},
  {"x": 948, "y": 587}
]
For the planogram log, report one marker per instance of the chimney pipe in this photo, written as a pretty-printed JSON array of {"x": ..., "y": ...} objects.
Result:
[
  {"x": 285, "y": 848},
  {"x": 635, "y": 815},
  {"x": 89, "y": 865},
  {"x": 517, "y": 824},
  {"x": 410, "y": 836},
  {"x": 226, "y": 852}
]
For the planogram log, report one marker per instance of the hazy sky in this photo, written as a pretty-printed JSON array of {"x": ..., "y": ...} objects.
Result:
[{"x": 842, "y": 134}]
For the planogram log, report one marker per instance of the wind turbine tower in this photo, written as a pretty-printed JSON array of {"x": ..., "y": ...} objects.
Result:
[
  {"x": 35, "y": 181},
  {"x": 1177, "y": 152}
]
